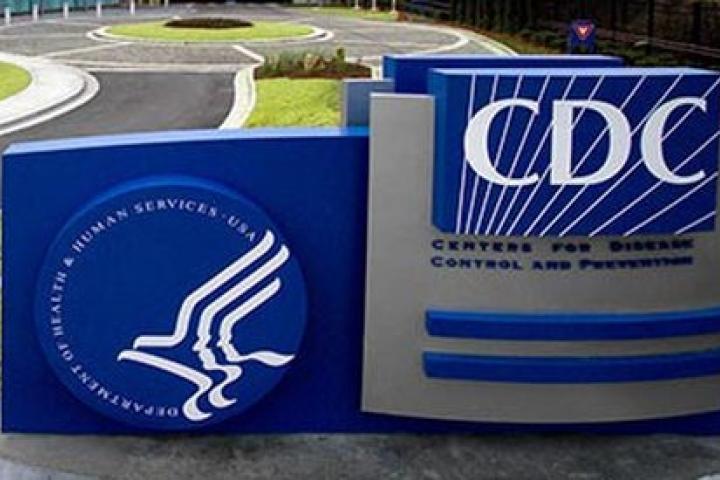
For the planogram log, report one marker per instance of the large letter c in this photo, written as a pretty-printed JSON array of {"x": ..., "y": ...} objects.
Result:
[{"x": 477, "y": 151}]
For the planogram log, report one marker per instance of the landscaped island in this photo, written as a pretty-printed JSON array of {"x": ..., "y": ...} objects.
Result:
[
  {"x": 210, "y": 30},
  {"x": 302, "y": 89},
  {"x": 13, "y": 79},
  {"x": 283, "y": 102}
]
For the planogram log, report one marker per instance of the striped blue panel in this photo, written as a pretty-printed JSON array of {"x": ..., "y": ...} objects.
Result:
[
  {"x": 571, "y": 326},
  {"x": 564, "y": 370},
  {"x": 583, "y": 152},
  {"x": 410, "y": 71}
]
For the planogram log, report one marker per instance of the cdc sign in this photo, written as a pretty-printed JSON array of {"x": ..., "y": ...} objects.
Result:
[
  {"x": 463, "y": 255},
  {"x": 560, "y": 152}
]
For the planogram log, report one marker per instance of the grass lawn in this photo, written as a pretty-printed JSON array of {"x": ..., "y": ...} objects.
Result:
[
  {"x": 351, "y": 12},
  {"x": 12, "y": 79},
  {"x": 259, "y": 31},
  {"x": 282, "y": 102}
]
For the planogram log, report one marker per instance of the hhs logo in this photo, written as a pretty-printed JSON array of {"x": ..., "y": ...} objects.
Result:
[
  {"x": 170, "y": 303},
  {"x": 597, "y": 152},
  {"x": 228, "y": 363}
]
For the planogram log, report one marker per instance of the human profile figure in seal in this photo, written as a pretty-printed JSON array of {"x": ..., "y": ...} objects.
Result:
[{"x": 238, "y": 278}]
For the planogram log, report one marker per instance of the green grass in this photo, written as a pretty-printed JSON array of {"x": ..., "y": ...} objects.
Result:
[
  {"x": 259, "y": 31},
  {"x": 282, "y": 102},
  {"x": 351, "y": 12},
  {"x": 13, "y": 79}
]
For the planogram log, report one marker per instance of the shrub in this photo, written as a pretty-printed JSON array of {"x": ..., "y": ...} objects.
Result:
[
  {"x": 538, "y": 37},
  {"x": 557, "y": 42},
  {"x": 311, "y": 64},
  {"x": 549, "y": 37},
  {"x": 208, "y": 22},
  {"x": 526, "y": 34},
  {"x": 648, "y": 61}
]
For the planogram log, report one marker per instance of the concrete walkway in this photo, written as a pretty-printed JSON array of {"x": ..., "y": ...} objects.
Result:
[
  {"x": 371, "y": 457},
  {"x": 54, "y": 90}
]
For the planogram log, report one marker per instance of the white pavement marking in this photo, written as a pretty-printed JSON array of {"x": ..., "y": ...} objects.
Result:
[
  {"x": 60, "y": 53},
  {"x": 325, "y": 36},
  {"x": 55, "y": 89},
  {"x": 105, "y": 66},
  {"x": 249, "y": 53}
]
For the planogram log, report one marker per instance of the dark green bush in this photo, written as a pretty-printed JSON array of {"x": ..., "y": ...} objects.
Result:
[
  {"x": 208, "y": 22},
  {"x": 648, "y": 61},
  {"x": 311, "y": 64},
  {"x": 557, "y": 43},
  {"x": 526, "y": 34}
]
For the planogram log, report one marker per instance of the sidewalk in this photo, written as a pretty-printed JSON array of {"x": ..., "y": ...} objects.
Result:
[{"x": 54, "y": 89}]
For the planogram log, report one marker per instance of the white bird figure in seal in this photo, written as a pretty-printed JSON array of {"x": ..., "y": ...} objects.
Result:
[{"x": 232, "y": 371}]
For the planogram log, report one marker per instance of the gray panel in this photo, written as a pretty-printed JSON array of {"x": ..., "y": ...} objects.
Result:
[
  {"x": 402, "y": 284},
  {"x": 356, "y": 100}
]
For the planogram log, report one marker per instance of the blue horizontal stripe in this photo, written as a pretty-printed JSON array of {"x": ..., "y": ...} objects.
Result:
[
  {"x": 571, "y": 326},
  {"x": 571, "y": 369}
]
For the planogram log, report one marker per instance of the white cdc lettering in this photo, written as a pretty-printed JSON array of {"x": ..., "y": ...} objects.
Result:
[{"x": 477, "y": 149}]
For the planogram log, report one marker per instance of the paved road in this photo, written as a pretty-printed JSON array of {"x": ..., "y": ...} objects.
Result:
[
  {"x": 182, "y": 100},
  {"x": 188, "y": 86},
  {"x": 68, "y": 41}
]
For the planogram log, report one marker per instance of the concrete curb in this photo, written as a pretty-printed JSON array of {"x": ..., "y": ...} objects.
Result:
[
  {"x": 55, "y": 89},
  {"x": 245, "y": 98},
  {"x": 102, "y": 34}
]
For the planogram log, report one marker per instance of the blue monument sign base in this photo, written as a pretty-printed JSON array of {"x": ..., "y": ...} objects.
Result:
[
  {"x": 49, "y": 181},
  {"x": 319, "y": 205},
  {"x": 292, "y": 280}
]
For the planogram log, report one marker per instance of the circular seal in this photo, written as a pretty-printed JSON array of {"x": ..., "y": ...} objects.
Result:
[{"x": 170, "y": 303}]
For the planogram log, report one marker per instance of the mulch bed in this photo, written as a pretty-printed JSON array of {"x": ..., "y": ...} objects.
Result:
[{"x": 208, "y": 22}]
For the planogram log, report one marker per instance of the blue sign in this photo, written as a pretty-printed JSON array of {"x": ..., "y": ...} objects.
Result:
[
  {"x": 138, "y": 267},
  {"x": 204, "y": 314},
  {"x": 211, "y": 281},
  {"x": 410, "y": 72},
  {"x": 565, "y": 152},
  {"x": 581, "y": 34}
]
